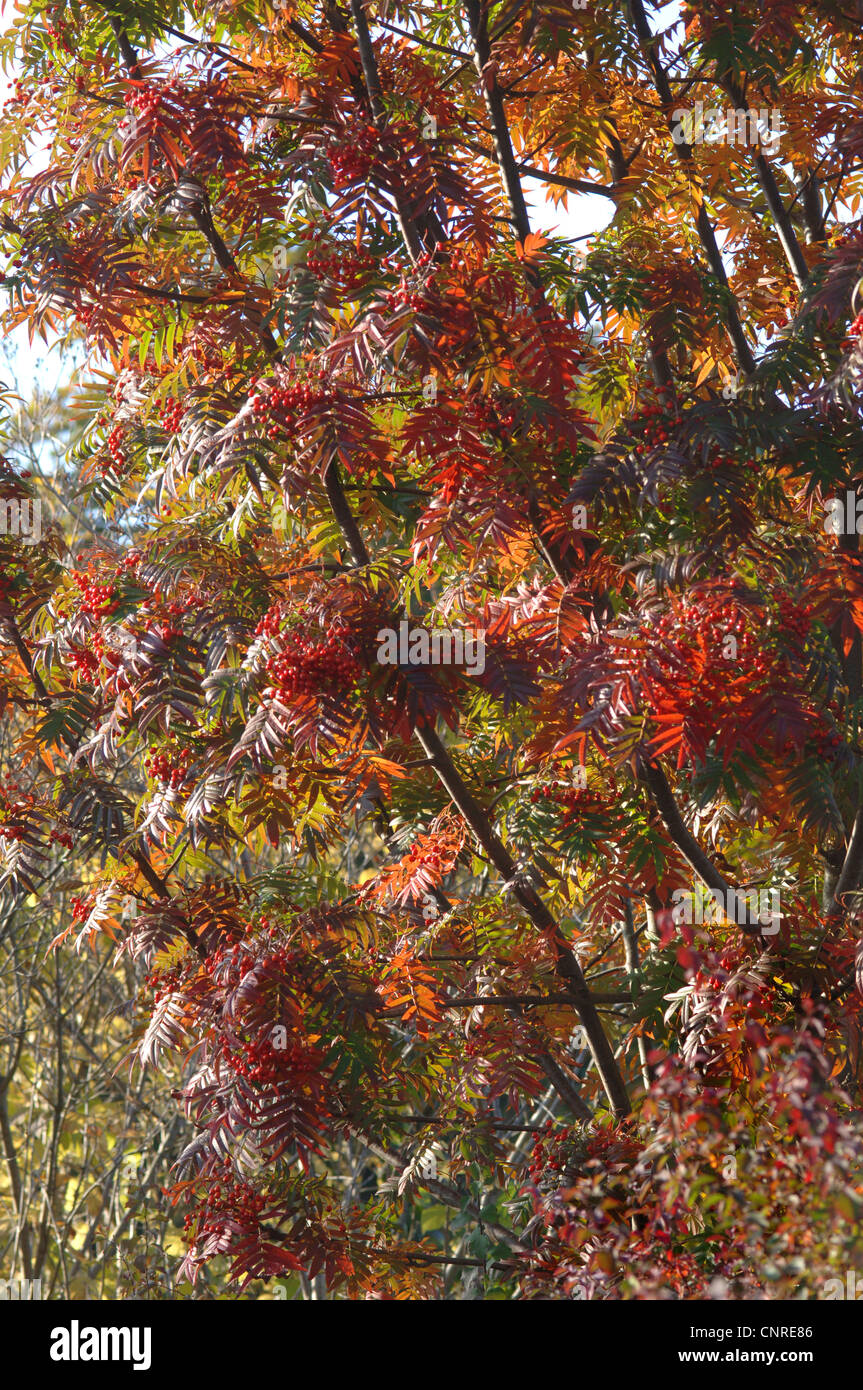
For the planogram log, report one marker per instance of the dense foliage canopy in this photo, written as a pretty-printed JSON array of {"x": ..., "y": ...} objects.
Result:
[{"x": 441, "y": 636}]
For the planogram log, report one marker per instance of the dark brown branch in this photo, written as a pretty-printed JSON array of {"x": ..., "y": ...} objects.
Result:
[
  {"x": 654, "y": 779},
  {"x": 851, "y": 872},
  {"x": 532, "y": 171},
  {"x": 497, "y": 116},
  {"x": 633, "y": 965},
  {"x": 770, "y": 189},
  {"x": 813, "y": 213},
  {"x": 566, "y": 964},
  {"x": 8, "y": 621},
  {"x": 344, "y": 516},
  {"x": 408, "y": 229},
  {"x": 648, "y": 43},
  {"x": 422, "y": 42}
]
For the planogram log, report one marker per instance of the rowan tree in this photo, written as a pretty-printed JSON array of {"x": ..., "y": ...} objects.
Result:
[{"x": 414, "y": 930}]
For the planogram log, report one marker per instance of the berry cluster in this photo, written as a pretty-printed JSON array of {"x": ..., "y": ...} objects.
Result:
[
  {"x": 547, "y": 1154},
  {"x": 351, "y": 161},
  {"x": 227, "y": 1198},
  {"x": 696, "y": 656},
  {"x": 21, "y": 94},
  {"x": 259, "y": 1061},
  {"x": 85, "y": 662},
  {"x": 405, "y": 298},
  {"x": 856, "y": 329},
  {"x": 164, "y": 982},
  {"x": 15, "y": 804},
  {"x": 314, "y": 666},
  {"x": 576, "y": 801},
  {"x": 344, "y": 265},
  {"x": 568, "y": 1152},
  {"x": 61, "y": 837},
  {"x": 114, "y": 443},
  {"x": 81, "y": 908},
  {"x": 428, "y": 856},
  {"x": 170, "y": 766},
  {"x": 148, "y": 98},
  {"x": 794, "y": 619},
  {"x": 692, "y": 624},
  {"x": 231, "y": 963},
  {"x": 130, "y": 562},
  {"x": 437, "y": 858},
  {"x": 96, "y": 599},
  {"x": 270, "y": 624},
  {"x": 283, "y": 404},
  {"x": 58, "y": 32},
  {"x": 171, "y": 416},
  {"x": 656, "y": 422}
]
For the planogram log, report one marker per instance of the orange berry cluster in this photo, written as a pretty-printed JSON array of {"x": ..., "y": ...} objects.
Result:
[
  {"x": 344, "y": 265},
  {"x": 263, "y": 1063},
  {"x": 404, "y": 297},
  {"x": 352, "y": 160},
  {"x": 96, "y": 599},
  {"x": 574, "y": 800},
  {"x": 270, "y": 624},
  {"x": 148, "y": 98},
  {"x": 171, "y": 415},
  {"x": 21, "y": 95},
  {"x": 81, "y": 909},
  {"x": 282, "y": 404},
  {"x": 794, "y": 618},
  {"x": 84, "y": 661},
  {"x": 171, "y": 766},
  {"x": 656, "y": 423},
  {"x": 685, "y": 620},
  {"x": 114, "y": 443},
  {"x": 566, "y": 1151},
  {"x": 59, "y": 32},
  {"x": 232, "y": 1200},
  {"x": 164, "y": 982},
  {"x": 438, "y": 859},
  {"x": 547, "y": 1153},
  {"x": 314, "y": 666}
]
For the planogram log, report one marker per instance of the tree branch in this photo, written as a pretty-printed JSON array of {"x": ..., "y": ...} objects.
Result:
[
  {"x": 654, "y": 778},
  {"x": 770, "y": 188},
  {"x": 648, "y": 43}
]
